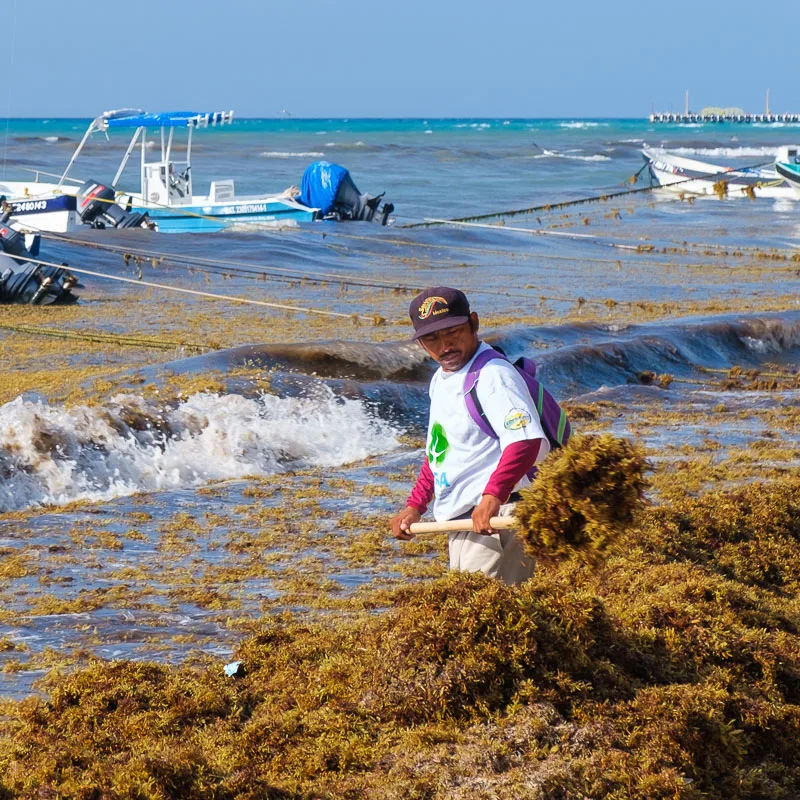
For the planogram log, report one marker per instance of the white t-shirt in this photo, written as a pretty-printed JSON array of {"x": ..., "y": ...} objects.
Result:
[{"x": 461, "y": 456}]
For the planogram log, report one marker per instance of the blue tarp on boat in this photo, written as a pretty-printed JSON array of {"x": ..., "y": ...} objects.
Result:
[{"x": 321, "y": 182}]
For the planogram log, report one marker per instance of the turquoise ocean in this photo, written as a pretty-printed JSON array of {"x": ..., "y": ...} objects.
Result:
[{"x": 441, "y": 167}]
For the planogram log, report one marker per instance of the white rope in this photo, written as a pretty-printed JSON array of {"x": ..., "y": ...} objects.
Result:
[
  {"x": 531, "y": 231},
  {"x": 296, "y": 309},
  {"x": 246, "y": 267}
]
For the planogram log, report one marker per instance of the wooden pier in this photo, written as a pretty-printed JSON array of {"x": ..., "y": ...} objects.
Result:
[
  {"x": 713, "y": 114},
  {"x": 691, "y": 118}
]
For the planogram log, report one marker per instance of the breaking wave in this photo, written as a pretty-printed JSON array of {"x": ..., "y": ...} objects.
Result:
[
  {"x": 48, "y": 139},
  {"x": 282, "y": 154},
  {"x": 571, "y": 156},
  {"x": 726, "y": 152},
  {"x": 55, "y": 455},
  {"x": 582, "y": 124},
  {"x": 334, "y": 403}
]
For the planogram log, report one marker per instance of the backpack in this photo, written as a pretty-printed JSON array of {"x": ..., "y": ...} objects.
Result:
[{"x": 554, "y": 421}]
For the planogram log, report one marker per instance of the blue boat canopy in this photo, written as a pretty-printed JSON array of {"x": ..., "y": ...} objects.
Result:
[
  {"x": 321, "y": 182},
  {"x": 134, "y": 118}
]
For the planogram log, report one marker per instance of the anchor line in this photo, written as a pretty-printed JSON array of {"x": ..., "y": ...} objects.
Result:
[
  {"x": 241, "y": 267},
  {"x": 110, "y": 338},
  {"x": 376, "y": 319},
  {"x": 642, "y": 249},
  {"x": 568, "y": 203}
]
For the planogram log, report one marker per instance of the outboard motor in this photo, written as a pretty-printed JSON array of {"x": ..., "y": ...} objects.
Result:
[
  {"x": 330, "y": 188},
  {"x": 96, "y": 207},
  {"x": 22, "y": 281}
]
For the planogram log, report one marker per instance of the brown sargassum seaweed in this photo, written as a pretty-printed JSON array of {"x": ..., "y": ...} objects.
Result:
[
  {"x": 671, "y": 672},
  {"x": 584, "y": 496}
]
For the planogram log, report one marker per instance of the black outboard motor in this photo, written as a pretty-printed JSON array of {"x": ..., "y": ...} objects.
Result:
[
  {"x": 22, "y": 281},
  {"x": 349, "y": 203},
  {"x": 96, "y": 208},
  {"x": 329, "y": 188}
]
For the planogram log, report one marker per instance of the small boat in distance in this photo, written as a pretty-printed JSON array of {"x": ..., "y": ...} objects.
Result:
[
  {"x": 787, "y": 165},
  {"x": 686, "y": 175}
]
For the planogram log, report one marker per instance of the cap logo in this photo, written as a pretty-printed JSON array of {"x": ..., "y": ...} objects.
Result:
[{"x": 428, "y": 308}]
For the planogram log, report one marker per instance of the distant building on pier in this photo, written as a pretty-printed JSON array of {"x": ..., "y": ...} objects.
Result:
[{"x": 712, "y": 114}]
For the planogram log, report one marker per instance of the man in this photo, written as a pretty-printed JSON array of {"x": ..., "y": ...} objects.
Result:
[{"x": 466, "y": 472}]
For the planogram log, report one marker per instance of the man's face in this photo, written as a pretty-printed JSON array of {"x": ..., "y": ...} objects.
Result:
[{"x": 452, "y": 348}]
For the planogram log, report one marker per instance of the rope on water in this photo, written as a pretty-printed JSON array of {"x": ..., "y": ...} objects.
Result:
[
  {"x": 641, "y": 249},
  {"x": 594, "y": 199},
  {"x": 242, "y": 268},
  {"x": 535, "y": 232},
  {"x": 356, "y": 318},
  {"x": 108, "y": 338}
]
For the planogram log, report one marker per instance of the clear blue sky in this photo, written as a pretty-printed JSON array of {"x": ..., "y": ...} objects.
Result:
[{"x": 394, "y": 58}]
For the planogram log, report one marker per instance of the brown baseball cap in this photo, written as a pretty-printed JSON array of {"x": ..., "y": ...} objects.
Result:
[{"x": 438, "y": 307}]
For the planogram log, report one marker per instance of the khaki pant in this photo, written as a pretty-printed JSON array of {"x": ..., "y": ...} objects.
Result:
[{"x": 500, "y": 555}]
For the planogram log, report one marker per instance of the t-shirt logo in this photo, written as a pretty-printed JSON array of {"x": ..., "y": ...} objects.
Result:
[
  {"x": 516, "y": 418},
  {"x": 438, "y": 444}
]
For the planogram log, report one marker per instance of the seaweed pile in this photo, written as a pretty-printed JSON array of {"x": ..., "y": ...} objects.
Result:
[
  {"x": 673, "y": 672},
  {"x": 584, "y": 496}
]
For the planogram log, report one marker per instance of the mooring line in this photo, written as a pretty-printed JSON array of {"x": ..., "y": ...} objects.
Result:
[
  {"x": 593, "y": 199},
  {"x": 108, "y": 338},
  {"x": 535, "y": 232},
  {"x": 375, "y": 319},
  {"x": 242, "y": 267}
]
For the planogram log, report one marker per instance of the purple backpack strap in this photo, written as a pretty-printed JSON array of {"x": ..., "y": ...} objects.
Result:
[{"x": 470, "y": 380}]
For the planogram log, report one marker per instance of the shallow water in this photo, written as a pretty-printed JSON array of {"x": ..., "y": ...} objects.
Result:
[{"x": 198, "y": 512}]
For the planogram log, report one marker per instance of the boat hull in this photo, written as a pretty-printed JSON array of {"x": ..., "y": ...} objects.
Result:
[
  {"x": 205, "y": 217},
  {"x": 46, "y": 214},
  {"x": 791, "y": 174},
  {"x": 51, "y": 208},
  {"x": 684, "y": 175}
]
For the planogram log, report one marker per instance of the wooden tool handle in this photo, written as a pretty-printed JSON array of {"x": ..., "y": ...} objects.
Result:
[{"x": 498, "y": 523}]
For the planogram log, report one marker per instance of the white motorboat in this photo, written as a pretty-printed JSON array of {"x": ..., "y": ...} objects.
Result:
[
  {"x": 165, "y": 197},
  {"x": 689, "y": 176}
]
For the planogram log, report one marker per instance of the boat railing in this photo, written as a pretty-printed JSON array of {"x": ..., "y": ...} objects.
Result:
[{"x": 38, "y": 172}]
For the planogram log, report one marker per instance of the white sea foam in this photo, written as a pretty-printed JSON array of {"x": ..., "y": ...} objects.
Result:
[
  {"x": 581, "y": 125},
  {"x": 289, "y": 154},
  {"x": 50, "y": 139},
  {"x": 726, "y": 152},
  {"x": 54, "y": 455},
  {"x": 571, "y": 156},
  {"x": 243, "y": 225}
]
